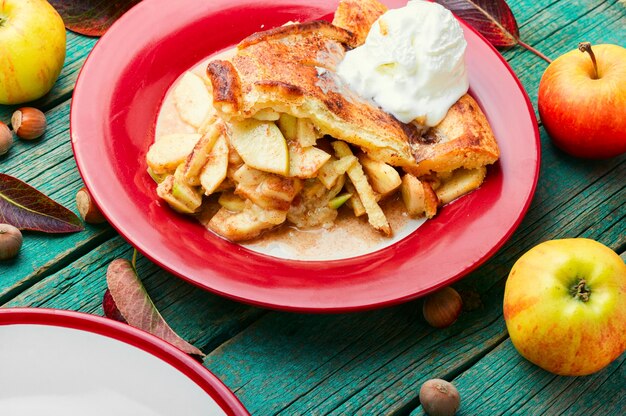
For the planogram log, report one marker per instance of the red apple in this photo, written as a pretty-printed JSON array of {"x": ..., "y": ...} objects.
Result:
[
  {"x": 582, "y": 101},
  {"x": 565, "y": 306}
]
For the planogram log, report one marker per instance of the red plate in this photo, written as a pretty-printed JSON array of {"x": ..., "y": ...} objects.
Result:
[
  {"x": 113, "y": 116},
  {"x": 86, "y": 361}
]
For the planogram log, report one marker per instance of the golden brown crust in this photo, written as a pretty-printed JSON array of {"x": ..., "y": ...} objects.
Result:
[
  {"x": 357, "y": 16},
  {"x": 463, "y": 139},
  {"x": 431, "y": 201},
  {"x": 293, "y": 71},
  {"x": 328, "y": 30},
  {"x": 226, "y": 86}
]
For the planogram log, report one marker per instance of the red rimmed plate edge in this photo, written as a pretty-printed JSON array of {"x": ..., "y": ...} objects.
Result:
[{"x": 127, "y": 334}]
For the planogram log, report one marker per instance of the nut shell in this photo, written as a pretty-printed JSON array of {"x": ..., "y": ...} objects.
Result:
[
  {"x": 439, "y": 398},
  {"x": 10, "y": 241},
  {"x": 88, "y": 208},
  {"x": 29, "y": 123},
  {"x": 6, "y": 138},
  {"x": 442, "y": 308}
]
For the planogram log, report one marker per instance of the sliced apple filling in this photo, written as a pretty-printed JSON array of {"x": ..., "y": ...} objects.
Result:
[{"x": 275, "y": 168}]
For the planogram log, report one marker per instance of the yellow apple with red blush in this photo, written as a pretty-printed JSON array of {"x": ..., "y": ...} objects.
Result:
[
  {"x": 565, "y": 306},
  {"x": 32, "y": 49}
]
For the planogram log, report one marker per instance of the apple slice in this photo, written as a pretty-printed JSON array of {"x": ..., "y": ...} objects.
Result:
[
  {"x": 179, "y": 196},
  {"x": 157, "y": 177},
  {"x": 246, "y": 224},
  {"x": 419, "y": 197},
  {"x": 267, "y": 114},
  {"x": 305, "y": 132},
  {"x": 375, "y": 215},
  {"x": 333, "y": 170},
  {"x": 231, "y": 202},
  {"x": 304, "y": 162},
  {"x": 170, "y": 150},
  {"x": 214, "y": 171},
  {"x": 261, "y": 145},
  {"x": 288, "y": 126},
  {"x": 354, "y": 202},
  {"x": 270, "y": 191},
  {"x": 413, "y": 195},
  {"x": 193, "y": 100},
  {"x": 383, "y": 177},
  {"x": 431, "y": 201},
  {"x": 460, "y": 183},
  {"x": 338, "y": 201},
  {"x": 200, "y": 155}
]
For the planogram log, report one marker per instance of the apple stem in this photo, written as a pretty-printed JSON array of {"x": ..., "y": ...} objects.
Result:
[
  {"x": 581, "y": 291},
  {"x": 586, "y": 47}
]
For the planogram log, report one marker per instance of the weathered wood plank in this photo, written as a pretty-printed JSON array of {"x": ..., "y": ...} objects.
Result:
[
  {"x": 504, "y": 383},
  {"x": 374, "y": 362},
  {"x": 365, "y": 363},
  {"x": 346, "y": 373},
  {"x": 557, "y": 27},
  {"x": 48, "y": 165},
  {"x": 369, "y": 363},
  {"x": 78, "y": 47},
  {"x": 202, "y": 318}
]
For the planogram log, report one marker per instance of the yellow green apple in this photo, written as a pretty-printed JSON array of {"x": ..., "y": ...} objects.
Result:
[
  {"x": 565, "y": 306},
  {"x": 32, "y": 49}
]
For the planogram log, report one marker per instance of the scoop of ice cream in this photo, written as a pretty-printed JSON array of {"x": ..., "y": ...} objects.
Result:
[{"x": 411, "y": 64}]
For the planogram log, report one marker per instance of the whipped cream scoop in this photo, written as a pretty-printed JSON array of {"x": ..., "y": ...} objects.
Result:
[{"x": 411, "y": 64}]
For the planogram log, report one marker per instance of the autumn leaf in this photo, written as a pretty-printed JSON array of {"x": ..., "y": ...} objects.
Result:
[
  {"x": 491, "y": 18},
  {"x": 26, "y": 208},
  {"x": 91, "y": 17},
  {"x": 128, "y": 301}
]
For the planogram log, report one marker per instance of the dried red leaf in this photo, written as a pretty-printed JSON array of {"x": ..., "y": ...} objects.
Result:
[
  {"x": 491, "y": 18},
  {"x": 111, "y": 310},
  {"x": 26, "y": 208},
  {"x": 130, "y": 298},
  {"x": 91, "y": 17}
]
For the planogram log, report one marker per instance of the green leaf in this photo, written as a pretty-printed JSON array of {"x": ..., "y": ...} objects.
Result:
[
  {"x": 132, "y": 302},
  {"x": 91, "y": 17},
  {"x": 26, "y": 208}
]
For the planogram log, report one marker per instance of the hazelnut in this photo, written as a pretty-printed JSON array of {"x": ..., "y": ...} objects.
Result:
[
  {"x": 443, "y": 307},
  {"x": 88, "y": 208},
  {"x": 28, "y": 123},
  {"x": 10, "y": 241},
  {"x": 439, "y": 398},
  {"x": 6, "y": 138}
]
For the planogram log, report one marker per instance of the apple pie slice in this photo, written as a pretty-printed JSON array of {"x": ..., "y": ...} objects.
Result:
[{"x": 296, "y": 143}]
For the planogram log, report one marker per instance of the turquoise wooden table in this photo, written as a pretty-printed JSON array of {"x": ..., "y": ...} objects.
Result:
[{"x": 368, "y": 362}]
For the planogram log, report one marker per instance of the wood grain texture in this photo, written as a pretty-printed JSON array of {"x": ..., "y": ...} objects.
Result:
[
  {"x": 574, "y": 198},
  {"x": 504, "y": 383},
  {"x": 558, "y": 29},
  {"x": 360, "y": 363},
  {"x": 203, "y": 319},
  {"x": 48, "y": 165}
]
